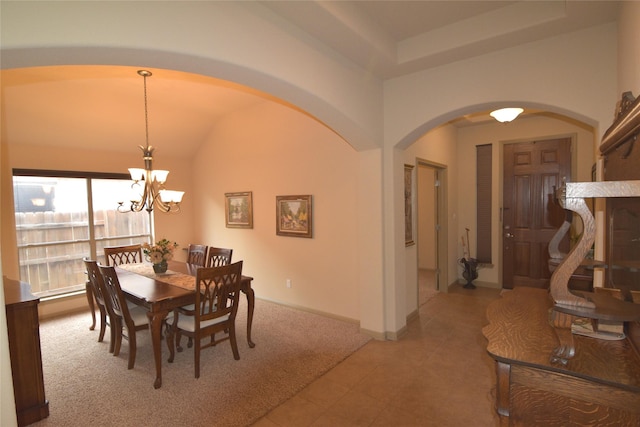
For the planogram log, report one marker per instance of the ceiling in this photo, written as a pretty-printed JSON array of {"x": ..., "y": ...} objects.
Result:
[{"x": 387, "y": 38}]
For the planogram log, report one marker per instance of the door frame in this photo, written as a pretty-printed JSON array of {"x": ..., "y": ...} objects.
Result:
[{"x": 440, "y": 213}]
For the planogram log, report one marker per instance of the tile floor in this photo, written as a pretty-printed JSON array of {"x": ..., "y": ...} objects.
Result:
[{"x": 437, "y": 374}]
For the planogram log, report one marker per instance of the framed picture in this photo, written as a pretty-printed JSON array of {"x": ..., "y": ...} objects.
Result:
[
  {"x": 408, "y": 205},
  {"x": 294, "y": 216},
  {"x": 238, "y": 209}
]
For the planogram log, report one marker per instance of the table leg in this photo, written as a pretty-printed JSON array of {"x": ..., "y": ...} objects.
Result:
[
  {"x": 156, "y": 320},
  {"x": 89, "y": 293},
  {"x": 251, "y": 300}
]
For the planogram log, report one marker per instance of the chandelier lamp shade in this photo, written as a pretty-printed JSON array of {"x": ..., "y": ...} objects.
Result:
[
  {"x": 505, "y": 115},
  {"x": 148, "y": 184}
]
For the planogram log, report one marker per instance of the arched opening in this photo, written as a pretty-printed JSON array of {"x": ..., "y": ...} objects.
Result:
[{"x": 453, "y": 144}]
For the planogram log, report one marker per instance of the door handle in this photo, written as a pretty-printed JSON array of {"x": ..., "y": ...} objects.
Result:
[{"x": 509, "y": 235}]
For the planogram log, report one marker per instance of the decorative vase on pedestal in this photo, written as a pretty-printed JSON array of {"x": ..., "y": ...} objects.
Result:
[
  {"x": 160, "y": 268},
  {"x": 470, "y": 272}
]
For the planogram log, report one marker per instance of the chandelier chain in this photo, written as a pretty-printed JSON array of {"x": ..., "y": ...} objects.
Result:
[{"x": 144, "y": 75}]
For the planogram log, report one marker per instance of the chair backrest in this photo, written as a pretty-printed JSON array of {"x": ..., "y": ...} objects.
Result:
[
  {"x": 114, "y": 292},
  {"x": 218, "y": 257},
  {"x": 218, "y": 292},
  {"x": 129, "y": 254},
  {"x": 197, "y": 255},
  {"x": 96, "y": 282}
]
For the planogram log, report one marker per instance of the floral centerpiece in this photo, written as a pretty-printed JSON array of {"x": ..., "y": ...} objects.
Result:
[{"x": 159, "y": 254}]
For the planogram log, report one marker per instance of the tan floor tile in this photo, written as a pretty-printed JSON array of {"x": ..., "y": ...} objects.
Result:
[
  {"x": 383, "y": 383},
  {"x": 350, "y": 372},
  {"x": 324, "y": 392},
  {"x": 392, "y": 416},
  {"x": 332, "y": 420},
  {"x": 357, "y": 408}
]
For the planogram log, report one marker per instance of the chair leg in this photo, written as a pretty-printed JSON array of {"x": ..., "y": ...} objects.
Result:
[
  {"x": 90, "y": 300},
  {"x": 103, "y": 323},
  {"x": 132, "y": 348},
  {"x": 118, "y": 337},
  {"x": 234, "y": 343},
  {"x": 196, "y": 356},
  {"x": 112, "y": 334},
  {"x": 178, "y": 338},
  {"x": 170, "y": 337}
]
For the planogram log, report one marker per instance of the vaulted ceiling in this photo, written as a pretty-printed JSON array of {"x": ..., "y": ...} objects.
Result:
[{"x": 386, "y": 38}]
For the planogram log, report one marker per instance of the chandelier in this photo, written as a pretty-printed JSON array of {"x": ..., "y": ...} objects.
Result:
[{"x": 148, "y": 184}]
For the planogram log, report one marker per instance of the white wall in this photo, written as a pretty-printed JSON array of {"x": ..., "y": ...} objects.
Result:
[
  {"x": 7, "y": 403},
  {"x": 274, "y": 150},
  {"x": 629, "y": 47}
]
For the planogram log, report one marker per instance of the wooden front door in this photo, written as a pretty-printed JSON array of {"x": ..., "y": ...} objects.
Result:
[{"x": 531, "y": 216}]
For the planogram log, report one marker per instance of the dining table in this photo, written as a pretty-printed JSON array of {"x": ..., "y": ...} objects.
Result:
[{"x": 161, "y": 293}]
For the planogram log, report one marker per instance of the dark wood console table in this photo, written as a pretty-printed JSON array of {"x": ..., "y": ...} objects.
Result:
[
  {"x": 599, "y": 386},
  {"x": 23, "y": 328}
]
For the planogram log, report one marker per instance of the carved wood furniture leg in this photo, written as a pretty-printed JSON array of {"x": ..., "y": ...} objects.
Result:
[
  {"x": 251, "y": 300},
  {"x": 156, "y": 320},
  {"x": 92, "y": 306},
  {"x": 503, "y": 375},
  {"x": 560, "y": 278},
  {"x": 561, "y": 323}
]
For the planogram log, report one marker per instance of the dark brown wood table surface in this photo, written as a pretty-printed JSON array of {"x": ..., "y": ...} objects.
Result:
[{"x": 160, "y": 298}]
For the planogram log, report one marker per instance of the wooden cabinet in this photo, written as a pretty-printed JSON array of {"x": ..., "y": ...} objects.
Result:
[
  {"x": 622, "y": 220},
  {"x": 23, "y": 329},
  {"x": 600, "y": 385}
]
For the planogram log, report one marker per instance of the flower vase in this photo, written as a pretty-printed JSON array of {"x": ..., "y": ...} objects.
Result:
[
  {"x": 160, "y": 268},
  {"x": 470, "y": 272}
]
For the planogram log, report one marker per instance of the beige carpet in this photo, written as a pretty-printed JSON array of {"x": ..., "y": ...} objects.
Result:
[{"x": 86, "y": 385}]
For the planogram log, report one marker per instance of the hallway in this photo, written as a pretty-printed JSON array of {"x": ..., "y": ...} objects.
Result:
[{"x": 437, "y": 374}]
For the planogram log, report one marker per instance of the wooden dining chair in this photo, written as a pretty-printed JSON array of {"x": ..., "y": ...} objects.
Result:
[
  {"x": 217, "y": 296},
  {"x": 128, "y": 254},
  {"x": 96, "y": 284},
  {"x": 197, "y": 255},
  {"x": 218, "y": 257},
  {"x": 132, "y": 319},
  {"x": 115, "y": 255}
]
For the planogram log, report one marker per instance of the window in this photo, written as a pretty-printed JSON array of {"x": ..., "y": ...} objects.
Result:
[
  {"x": 56, "y": 227},
  {"x": 483, "y": 213}
]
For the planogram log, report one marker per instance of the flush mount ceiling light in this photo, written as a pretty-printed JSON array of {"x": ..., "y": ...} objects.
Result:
[
  {"x": 150, "y": 182},
  {"x": 505, "y": 115}
]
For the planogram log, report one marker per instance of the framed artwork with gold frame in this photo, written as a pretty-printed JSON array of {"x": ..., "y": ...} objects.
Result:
[
  {"x": 238, "y": 210},
  {"x": 294, "y": 216}
]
